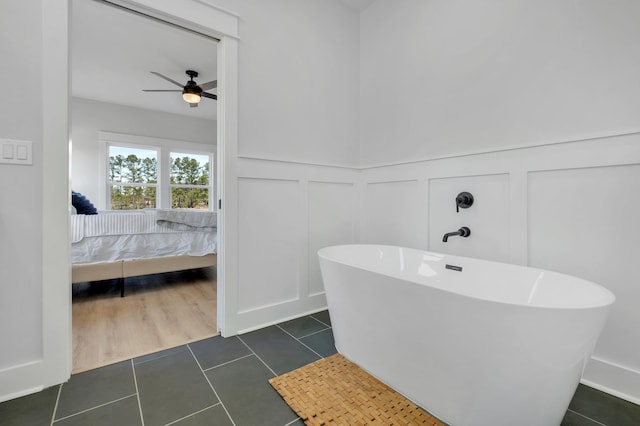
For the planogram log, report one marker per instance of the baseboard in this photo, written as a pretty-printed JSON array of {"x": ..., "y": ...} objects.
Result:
[
  {"x": 614, "y": 379},
  {"x": 281, "y": 320},
  {"x": 25, "y": 392}
]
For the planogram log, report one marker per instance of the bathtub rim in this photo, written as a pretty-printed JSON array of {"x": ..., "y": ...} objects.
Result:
[{"x": 608, "y": 296}]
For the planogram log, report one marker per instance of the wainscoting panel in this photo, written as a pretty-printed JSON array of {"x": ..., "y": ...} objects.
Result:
[
  {"x": 269, "y": 223},
  {"x": 286, "y": 211},
  {"x": 395, "y": 213},
  {"x": 487, "y": 218},
  {"x": 584, "y": 222},
  {"x": 570, "y": 207},
  {"x": 331, "y": 222}
]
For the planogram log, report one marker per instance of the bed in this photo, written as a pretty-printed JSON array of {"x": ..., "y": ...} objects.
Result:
[{"x": 121, "y": 244}]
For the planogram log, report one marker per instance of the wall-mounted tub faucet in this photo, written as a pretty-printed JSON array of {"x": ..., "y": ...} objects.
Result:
[
  {"x": 463, "y": 232},
  {"x": 464, "y": 200}
]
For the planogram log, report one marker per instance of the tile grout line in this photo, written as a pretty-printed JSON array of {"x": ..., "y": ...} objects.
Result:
[
  {"x": 257, "y": 356},
  {"x": 135, "y": 382},
  {"x": 94, "y": 408},
  {"x": 173, "y": 350},
  {"x": 193, "y": 414},
  {"x": 321, "y": 322},
  {"x": 55, "y": 407},
  {"x": 298, "y": 340},
  {"x": 211, "y": 385},
  {"x": 311, "y": 334},
  {"x": 227, "y": 363},
  {"x": 586, "y": 417}
]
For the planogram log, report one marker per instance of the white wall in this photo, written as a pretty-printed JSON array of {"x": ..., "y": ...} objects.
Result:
[
  {"x": 442, "y": 77},
  {"x": 34, "y": 210},
  {"x": 21, "y": 187},
  {"x": 89, "y": 117},
  {"x": 297, "y": 106},
  {"x": 467, "y": 81},
  {"x": 298, "y": 82}
]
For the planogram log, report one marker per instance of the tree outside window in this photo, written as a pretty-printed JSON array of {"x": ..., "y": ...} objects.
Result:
[
  {"x": 135, "y": 179},
  {"x": 189, "y": 181}
]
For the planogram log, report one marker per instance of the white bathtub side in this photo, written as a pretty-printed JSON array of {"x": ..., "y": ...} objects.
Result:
[{"x": 466, "y": 360}]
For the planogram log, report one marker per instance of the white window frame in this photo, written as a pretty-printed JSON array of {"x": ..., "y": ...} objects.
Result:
[
  {"x": 164, "y": 147},
  {"x": 212, "y": 174}
]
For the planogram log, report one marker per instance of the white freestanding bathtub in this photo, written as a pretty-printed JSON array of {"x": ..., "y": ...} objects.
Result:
[{"x": 474, "y": 343}]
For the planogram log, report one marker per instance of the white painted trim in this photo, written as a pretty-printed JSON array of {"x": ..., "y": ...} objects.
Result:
[
  {"x": 299, "y": 162},
  {"x": 56, "y": 270},
  {"x": 227, "y": 183},
  {"x": 199, "y": 16},
  {"x": 123, "y": 138},
  {"x": 270, "y": 305},
  {"x": 434, "y": 158},
  {"x": 55, "y": 364},
  {"x": 378, "y": 181},
  {"x": 612, "y": 378},
  {"x": 221, "y": 9},
  {"x": 289, "y": 318},
  {"x": 507, "y": 148},
  {"x": 25, "y": 392}
]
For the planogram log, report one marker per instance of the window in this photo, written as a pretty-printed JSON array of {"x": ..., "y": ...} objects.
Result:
[
  {"x": 189, "y": 181},
  {"x": 167, "y": 174},
  {"x": 133, "y": 178}
]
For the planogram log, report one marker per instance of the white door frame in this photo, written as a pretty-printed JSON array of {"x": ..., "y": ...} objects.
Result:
[
  {"x": 205, "y": 17},
  {"x": 200, "y": 15}
]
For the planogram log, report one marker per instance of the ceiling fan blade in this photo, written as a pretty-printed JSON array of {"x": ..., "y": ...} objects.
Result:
[
  {"x": 209, "y": 95},
  {"x": 167, "y": 78},
  {"x": 193, "y": 105},
  {"x": 160, "y": 90},
  {"x": 208, "y": 85}
]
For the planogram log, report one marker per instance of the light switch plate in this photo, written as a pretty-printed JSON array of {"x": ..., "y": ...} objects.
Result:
[
  {"x": 16, "y": 152},
  {"x": 7, "y": 151}
]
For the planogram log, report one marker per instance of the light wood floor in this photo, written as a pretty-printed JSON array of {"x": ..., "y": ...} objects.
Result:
[{"x": 158, "y": 312}]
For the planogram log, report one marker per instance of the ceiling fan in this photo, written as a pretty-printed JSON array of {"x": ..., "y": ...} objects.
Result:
[{"x": 192, "y": 92}]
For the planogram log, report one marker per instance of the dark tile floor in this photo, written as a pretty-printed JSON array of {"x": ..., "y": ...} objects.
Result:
[{"x": 224, "y": 382}]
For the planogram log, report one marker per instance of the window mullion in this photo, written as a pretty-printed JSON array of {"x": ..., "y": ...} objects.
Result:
[{"x": 164, "y": 201}]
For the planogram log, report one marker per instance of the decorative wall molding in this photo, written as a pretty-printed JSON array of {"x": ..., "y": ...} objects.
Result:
[
  {"x": 507, "y": 149},
  {"x": 286, "y": 212},
  {"x": 570, "y": 195},
  {"x": 304, "y": 163}
]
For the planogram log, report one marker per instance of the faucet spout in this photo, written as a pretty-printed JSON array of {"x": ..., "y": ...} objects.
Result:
[{"x": 463, "y": 232}]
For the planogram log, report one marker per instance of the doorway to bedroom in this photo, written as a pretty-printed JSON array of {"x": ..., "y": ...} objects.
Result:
[{"x": 143, "y": 132}]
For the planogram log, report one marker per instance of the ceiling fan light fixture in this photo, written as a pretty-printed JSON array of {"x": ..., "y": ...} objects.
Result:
[
  {"x": 192, "y": 92},
  {"x": 191, "y": 97}
]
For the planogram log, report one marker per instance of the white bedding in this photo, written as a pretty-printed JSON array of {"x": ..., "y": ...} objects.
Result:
[
  {"x": 125, "y": 223},
  {"x": 195, "y": 218},
  {"x": 113, "y": 236}
]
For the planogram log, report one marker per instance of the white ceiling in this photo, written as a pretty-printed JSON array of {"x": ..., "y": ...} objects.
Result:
[{"x": 113, "y": 53}]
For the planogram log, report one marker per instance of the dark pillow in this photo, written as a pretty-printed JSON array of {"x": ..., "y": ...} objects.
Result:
[{"x": 82, "y": 204}]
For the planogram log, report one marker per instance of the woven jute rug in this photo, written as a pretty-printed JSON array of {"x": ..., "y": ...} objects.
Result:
[{"x": 334, "y": 391}]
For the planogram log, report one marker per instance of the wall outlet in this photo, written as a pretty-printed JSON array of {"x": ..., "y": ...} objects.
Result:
[{"x": 14, "y": 151}]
